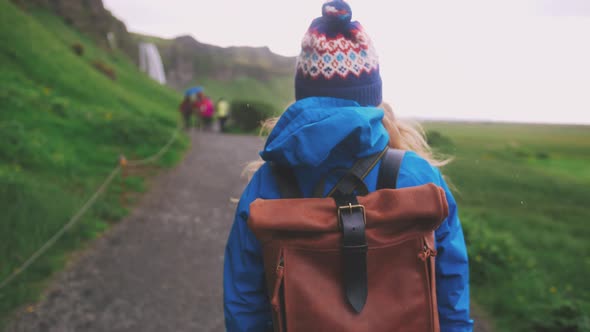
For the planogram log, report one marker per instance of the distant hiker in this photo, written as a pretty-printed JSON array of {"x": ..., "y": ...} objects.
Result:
[
  {"x": 204, "y": 108},
  {"x": 222, "y": 110},
  {"x": 348, "y": 257},
  {"x": 186, "y": 110}
]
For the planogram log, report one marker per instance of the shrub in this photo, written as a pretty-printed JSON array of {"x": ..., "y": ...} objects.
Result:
[
  {"x": 522, "y": 154},
  {"x": 439, "y": 141},
  {"x": 12, "y": 138},
  {"x": 491, "y": 253},
  {"x": 59, "y": 106},
  {"x": 248, "y": 115},
  {"x": 78, "y": 49},
  {"x": 105, "y": 69},
  {"x": 514, "y": 152},
  {"x": 564, "y": 316}
]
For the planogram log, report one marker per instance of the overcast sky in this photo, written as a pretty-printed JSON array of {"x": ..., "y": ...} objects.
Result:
[{"x": 504, "y": 60}]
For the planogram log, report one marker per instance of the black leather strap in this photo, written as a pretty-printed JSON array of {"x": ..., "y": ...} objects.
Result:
[
  {"x": 354, "y": 250},
  {"x": 352, "y": 224},
  {"x": 286, "y": 181},
  {"x": 353, "y": 180},
  {"x": 389, "y": 169}
]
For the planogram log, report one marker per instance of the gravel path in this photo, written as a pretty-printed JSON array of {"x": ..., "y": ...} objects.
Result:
[{"x": 161, "y": 268}]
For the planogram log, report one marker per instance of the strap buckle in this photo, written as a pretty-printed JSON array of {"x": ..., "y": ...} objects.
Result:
[{"x": 350, "y": 208}]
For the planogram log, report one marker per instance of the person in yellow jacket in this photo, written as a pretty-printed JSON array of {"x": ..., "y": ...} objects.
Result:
[{"x": 222, "y": 113}]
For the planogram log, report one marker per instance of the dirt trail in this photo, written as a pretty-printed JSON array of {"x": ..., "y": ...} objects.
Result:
[{"x": 161, "y": 268}]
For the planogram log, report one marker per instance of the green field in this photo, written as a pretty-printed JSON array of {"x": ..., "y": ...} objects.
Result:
[
  {"x": 63, "y": 125},
  {"x": 522, "y": 192}
]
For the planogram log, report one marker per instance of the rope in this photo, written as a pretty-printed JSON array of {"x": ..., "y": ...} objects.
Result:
[
  {"x": 57, "y": 235},
  {"x": 122, "y": 163},
  {"x": 157, "y": 155}
]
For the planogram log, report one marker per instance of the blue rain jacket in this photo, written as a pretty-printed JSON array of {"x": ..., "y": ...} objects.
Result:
[{"x": 314, "y": 136}]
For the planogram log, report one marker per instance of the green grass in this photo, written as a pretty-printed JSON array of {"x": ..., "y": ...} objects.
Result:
[
  {"x": 63, "y": 125},
  {"x": 272, "y": 92},
  {"x": 522, "y": 194}
]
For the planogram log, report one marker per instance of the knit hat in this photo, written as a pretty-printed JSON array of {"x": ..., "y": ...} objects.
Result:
[{"x": 337, "y": 59}]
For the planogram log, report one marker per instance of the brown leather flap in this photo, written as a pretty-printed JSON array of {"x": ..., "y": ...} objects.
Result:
[{"x": 414, "y": 209}]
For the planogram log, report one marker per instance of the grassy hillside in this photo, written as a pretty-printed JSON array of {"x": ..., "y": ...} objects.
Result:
[
  {"x": 522, "y": 193},
  {"x": 63, "y": 125},
  {"x": 89, "y": 17}
]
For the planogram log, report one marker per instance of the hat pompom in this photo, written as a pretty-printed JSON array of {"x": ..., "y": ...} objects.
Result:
[{"x": 337, "y": 12}]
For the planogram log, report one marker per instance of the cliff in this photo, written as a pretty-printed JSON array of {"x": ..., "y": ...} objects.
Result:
[{"x": 187, "y": 59}]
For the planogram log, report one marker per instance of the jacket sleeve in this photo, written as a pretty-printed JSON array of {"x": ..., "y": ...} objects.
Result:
[
  {"x": 452, "y": 271},
  {"x": 246, "y": 306}
]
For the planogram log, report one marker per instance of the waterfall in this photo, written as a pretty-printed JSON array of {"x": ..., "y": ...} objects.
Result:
[{"x": 150, "y": 62}]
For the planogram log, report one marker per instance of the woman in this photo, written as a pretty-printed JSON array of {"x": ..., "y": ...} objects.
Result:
[
  {"x": 338, "y": 118},
  {"x": 204, "y": 109}
]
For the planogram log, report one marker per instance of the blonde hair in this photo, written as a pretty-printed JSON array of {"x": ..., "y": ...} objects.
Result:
[{"x": 403, "y": 135}]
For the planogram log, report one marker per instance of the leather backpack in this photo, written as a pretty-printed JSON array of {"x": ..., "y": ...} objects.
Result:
[{"x": 352, "y": 261}]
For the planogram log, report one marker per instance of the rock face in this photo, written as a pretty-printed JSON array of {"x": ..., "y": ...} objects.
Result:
[
  {"x": 186, "y": 59},
  {"x": 91, "y": 18}
]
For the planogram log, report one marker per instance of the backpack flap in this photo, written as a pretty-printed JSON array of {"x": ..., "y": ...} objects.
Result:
[{"x": 414, "y": 211}]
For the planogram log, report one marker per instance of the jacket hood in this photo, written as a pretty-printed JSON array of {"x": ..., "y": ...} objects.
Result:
[{"x": 325, "y": 131}]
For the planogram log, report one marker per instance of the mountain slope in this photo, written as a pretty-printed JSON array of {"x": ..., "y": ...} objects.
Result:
[
  {"x": 64, "y": 121},
  {"x": 253, "y": 73},
  {"x": 234, "y": 72}
]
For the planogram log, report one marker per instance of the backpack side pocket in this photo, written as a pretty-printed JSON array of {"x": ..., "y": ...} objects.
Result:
[{"x": 278, "y": 296}]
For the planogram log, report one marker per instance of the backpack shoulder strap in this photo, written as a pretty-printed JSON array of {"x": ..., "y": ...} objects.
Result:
[
  {"x": 353, "y": 180},
  {"x": 288, "y": 187},
  {"x": 286, "y": 181},
  {"x": 389, "y": 169}
]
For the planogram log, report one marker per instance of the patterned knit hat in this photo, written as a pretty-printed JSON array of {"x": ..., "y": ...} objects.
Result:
[{"x": 338, "y": 59}]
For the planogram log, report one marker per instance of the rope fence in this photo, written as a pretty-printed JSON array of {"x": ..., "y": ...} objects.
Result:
[{"x": 123, "y": 163}]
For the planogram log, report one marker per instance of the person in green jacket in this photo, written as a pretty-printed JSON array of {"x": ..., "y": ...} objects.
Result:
[{"x": 222, "y": 113}]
